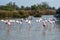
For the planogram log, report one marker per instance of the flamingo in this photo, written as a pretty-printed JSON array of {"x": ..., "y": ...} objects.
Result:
[
  {"x": 8, "y": 23},
  {"x": 51, "y": 21},
  {"x": 11, "y": 21},
  {"x": 22, "y": 19},
  {"x": 17, "y": 21},
  {"x": 44, "y": 24},
  {"x": 29, "y": 22},
  {"x": 39, "y": 20},
  {"x": 26, "y": 21},
  {"x": 20, "y": 22},
  {"x": 2, "y": 20}
]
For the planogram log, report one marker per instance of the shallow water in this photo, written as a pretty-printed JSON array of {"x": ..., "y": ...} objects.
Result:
[{"x": 34, "y": 31}]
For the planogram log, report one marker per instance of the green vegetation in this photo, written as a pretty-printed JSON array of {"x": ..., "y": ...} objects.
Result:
[{"x": 11, "y": 10}]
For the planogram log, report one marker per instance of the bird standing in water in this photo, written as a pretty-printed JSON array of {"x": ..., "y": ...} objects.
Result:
[
  {"x": 44, "y": 23},
  {"x": 29, "y": 24}
]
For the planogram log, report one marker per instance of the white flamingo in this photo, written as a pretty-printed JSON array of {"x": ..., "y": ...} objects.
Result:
[
  {"x": 20, "y": 22},
  {"x": 17, "y": 21},
  {"x": 29, "y": 22},
  {"x": 2, "y": 20},
  {"x": 39, "y": 20},
  {"x": 26, "y": 20},
  {"x": 12, "y": 21}
]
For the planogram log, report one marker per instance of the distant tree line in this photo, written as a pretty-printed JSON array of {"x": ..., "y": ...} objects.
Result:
[
  {"x": 11, "y": 10},
  {"x": 58, "y": 11}
]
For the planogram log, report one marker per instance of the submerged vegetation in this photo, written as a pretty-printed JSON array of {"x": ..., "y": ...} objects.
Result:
[{"x": 11, "y": 10}]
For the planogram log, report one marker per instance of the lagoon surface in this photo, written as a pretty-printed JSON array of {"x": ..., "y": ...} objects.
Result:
[{"x": 33, "y": 31}]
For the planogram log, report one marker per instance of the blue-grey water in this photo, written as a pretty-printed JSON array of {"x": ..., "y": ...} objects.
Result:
[{"x": 33, "y": 31}]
